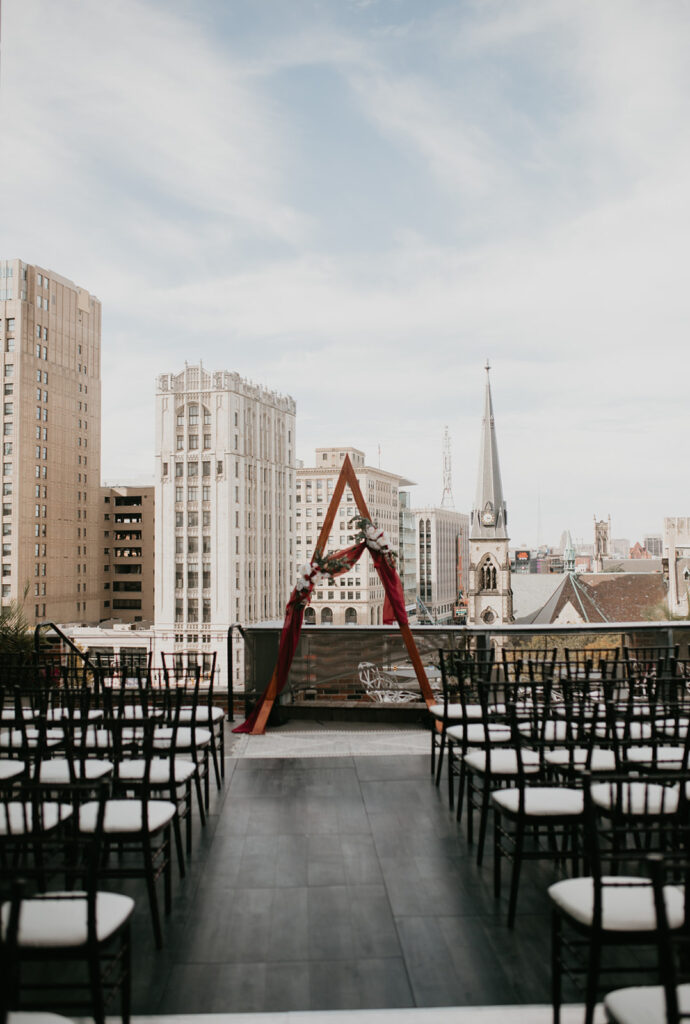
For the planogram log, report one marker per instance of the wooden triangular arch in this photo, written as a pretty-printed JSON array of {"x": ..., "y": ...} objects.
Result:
[{"x": 347, "y": 476}]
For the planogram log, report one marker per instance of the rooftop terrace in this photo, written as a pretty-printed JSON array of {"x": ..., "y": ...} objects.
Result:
[{"x": 332, "y": 877}]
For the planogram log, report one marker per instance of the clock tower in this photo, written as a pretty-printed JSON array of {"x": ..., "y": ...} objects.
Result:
[{"x": 490, "y": 598}]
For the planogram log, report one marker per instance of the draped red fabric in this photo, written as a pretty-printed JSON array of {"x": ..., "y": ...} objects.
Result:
[
  {"x": 394, "y": 599},
  {"x": 393, "y": 609}
]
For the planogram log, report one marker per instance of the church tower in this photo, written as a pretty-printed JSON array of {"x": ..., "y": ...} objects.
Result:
[{"x": 490, "y": 598}]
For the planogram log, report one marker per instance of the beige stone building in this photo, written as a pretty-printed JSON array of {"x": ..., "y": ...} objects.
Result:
[
  {"x": 224, "y": 507},
  {"x": 50, "y": 335},
  {"x": 356, "y": 596},
  {"x": 676, "y": 560},
  {"x": 442, "y": 560},
  {"x": 128, "y": 553}
]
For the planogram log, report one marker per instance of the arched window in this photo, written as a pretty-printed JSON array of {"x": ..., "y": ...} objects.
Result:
[
  {"x": 309, "y": 617},
  {"x": 378, "y": 616},
  {"x": 371, "y": 617},
  {"x": 326, "y": 616},
  {"x": 350, "y": 616},
  {"x": 487, "y": 575}
]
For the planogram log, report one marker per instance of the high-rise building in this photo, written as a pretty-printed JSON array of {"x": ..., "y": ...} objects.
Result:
[
  {"x": 407, "y": 549},
  {"x": 128, "y": 553},
  {"x": 356, "y": 596},
  {"x": 490, "y": 592},
  {"x": 50, "y": 333},
  {"x": 224, "y": 504},
  {"x": 442, "y": 560},
  {"x": 654, "y": 543}
]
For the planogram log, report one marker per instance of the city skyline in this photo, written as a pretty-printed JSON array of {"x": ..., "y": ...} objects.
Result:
[{"x": 357, "y": 204}]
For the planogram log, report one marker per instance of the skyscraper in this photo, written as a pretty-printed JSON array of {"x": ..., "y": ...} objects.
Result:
[
  {"x": 224, "y": 500},
  {"x": 50, "y": 333}
]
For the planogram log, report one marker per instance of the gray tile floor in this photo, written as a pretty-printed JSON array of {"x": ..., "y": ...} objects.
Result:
[{"x": 332, "y": 877}]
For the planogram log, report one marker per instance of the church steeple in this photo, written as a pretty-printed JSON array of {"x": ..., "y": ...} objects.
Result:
[
  {"x": 490, "y": 597},
  {"x": 489, "y": 516}
]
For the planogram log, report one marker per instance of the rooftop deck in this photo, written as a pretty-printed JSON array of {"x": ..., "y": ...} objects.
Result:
[{"x": 331, "y": 876}]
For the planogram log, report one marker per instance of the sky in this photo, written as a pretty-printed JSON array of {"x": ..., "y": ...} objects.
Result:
[{"x": 359, "y": 202}]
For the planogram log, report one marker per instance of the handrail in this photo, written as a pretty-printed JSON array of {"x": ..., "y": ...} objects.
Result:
[
  {"x": 65, "y": 639},
  {"x": 231, "y": 683}
]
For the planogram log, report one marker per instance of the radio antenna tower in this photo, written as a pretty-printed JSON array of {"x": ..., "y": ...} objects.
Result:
[{"x": 447, "y": 499}]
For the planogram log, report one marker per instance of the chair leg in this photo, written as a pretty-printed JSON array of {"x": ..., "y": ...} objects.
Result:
[
  {"x": 498, "y": 850},
  {"x": 515, "y": 876},
  {"x": 177, "y": 831},
  {"x": 441, "y": 749},
  {"x": 471, "y": 790},
  {"x": 199, "y": 798},
  {"x": 96, "y": 984},
  {"x": 207, "y": 781},
  {"x": 484, "y": 814},
  {"x": 214, "y": 756},
  {"x": 221, "y": 738},
  {"x": 153, "y": 898},
  {"x": 556, "y": 941},
  {"x": 592, "y": 979},
  {"x": 167, "y": 870},
  {"x": 433, "y": 735},
  {"x": 126, "y": 981},
  {"x": 461, "y": 788}
]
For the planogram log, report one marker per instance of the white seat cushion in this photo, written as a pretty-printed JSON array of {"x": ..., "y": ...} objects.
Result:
[
  {"x": 10, "y": 769},
  {"x": 644, "y": 1004},
  {"x": 159, "y": 772},
  {"x": 456, "y": 711},
  {"x": 636, "y": 797},
  {"x": 162, "y": 737},
  {"x": 602, "y": 760},
  {"x": 672, "y": 757},
  {"x": 123, "y": 817},
  {"x": 474, "y": 733},
  {"x": 541, "y": 801},
  {"x": 204, "y": 713},
  {"x": 17, "y": 818},
  {"x": 503, "y": 762},
  {"x": 627, "y": 902},
  {"x": 59, "y": 714},
  {"x": 13, "y": 739},
  {"x": 49, "y": 923},
  {"x": 56, "y": 771}
]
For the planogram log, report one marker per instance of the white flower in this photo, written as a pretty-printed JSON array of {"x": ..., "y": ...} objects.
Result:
[{"x": 307, "y": 573}]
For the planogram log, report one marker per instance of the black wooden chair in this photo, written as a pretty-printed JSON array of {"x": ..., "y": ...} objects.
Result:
[
  {"x": 626, "y": 817},
  {"x": 668, "y": 1001},
  {"x": 536, "y": 817},
  {"x": 62, "y": 917}
]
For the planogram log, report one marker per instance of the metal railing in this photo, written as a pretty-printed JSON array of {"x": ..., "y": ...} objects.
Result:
[{"x": 326, "y": 666}]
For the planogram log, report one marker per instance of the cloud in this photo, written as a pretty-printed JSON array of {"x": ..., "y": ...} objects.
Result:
[{"x": 531, "y": 174}]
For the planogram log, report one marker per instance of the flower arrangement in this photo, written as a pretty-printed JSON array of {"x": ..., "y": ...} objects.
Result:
[
  {"x": 375, "y": 538},
  {"x": 321, "y": 567}
]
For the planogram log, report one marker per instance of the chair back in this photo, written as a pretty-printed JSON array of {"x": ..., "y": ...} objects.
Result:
[
  {"x": 629, "y": 815},
  {"x": 673, "y": 944}
]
